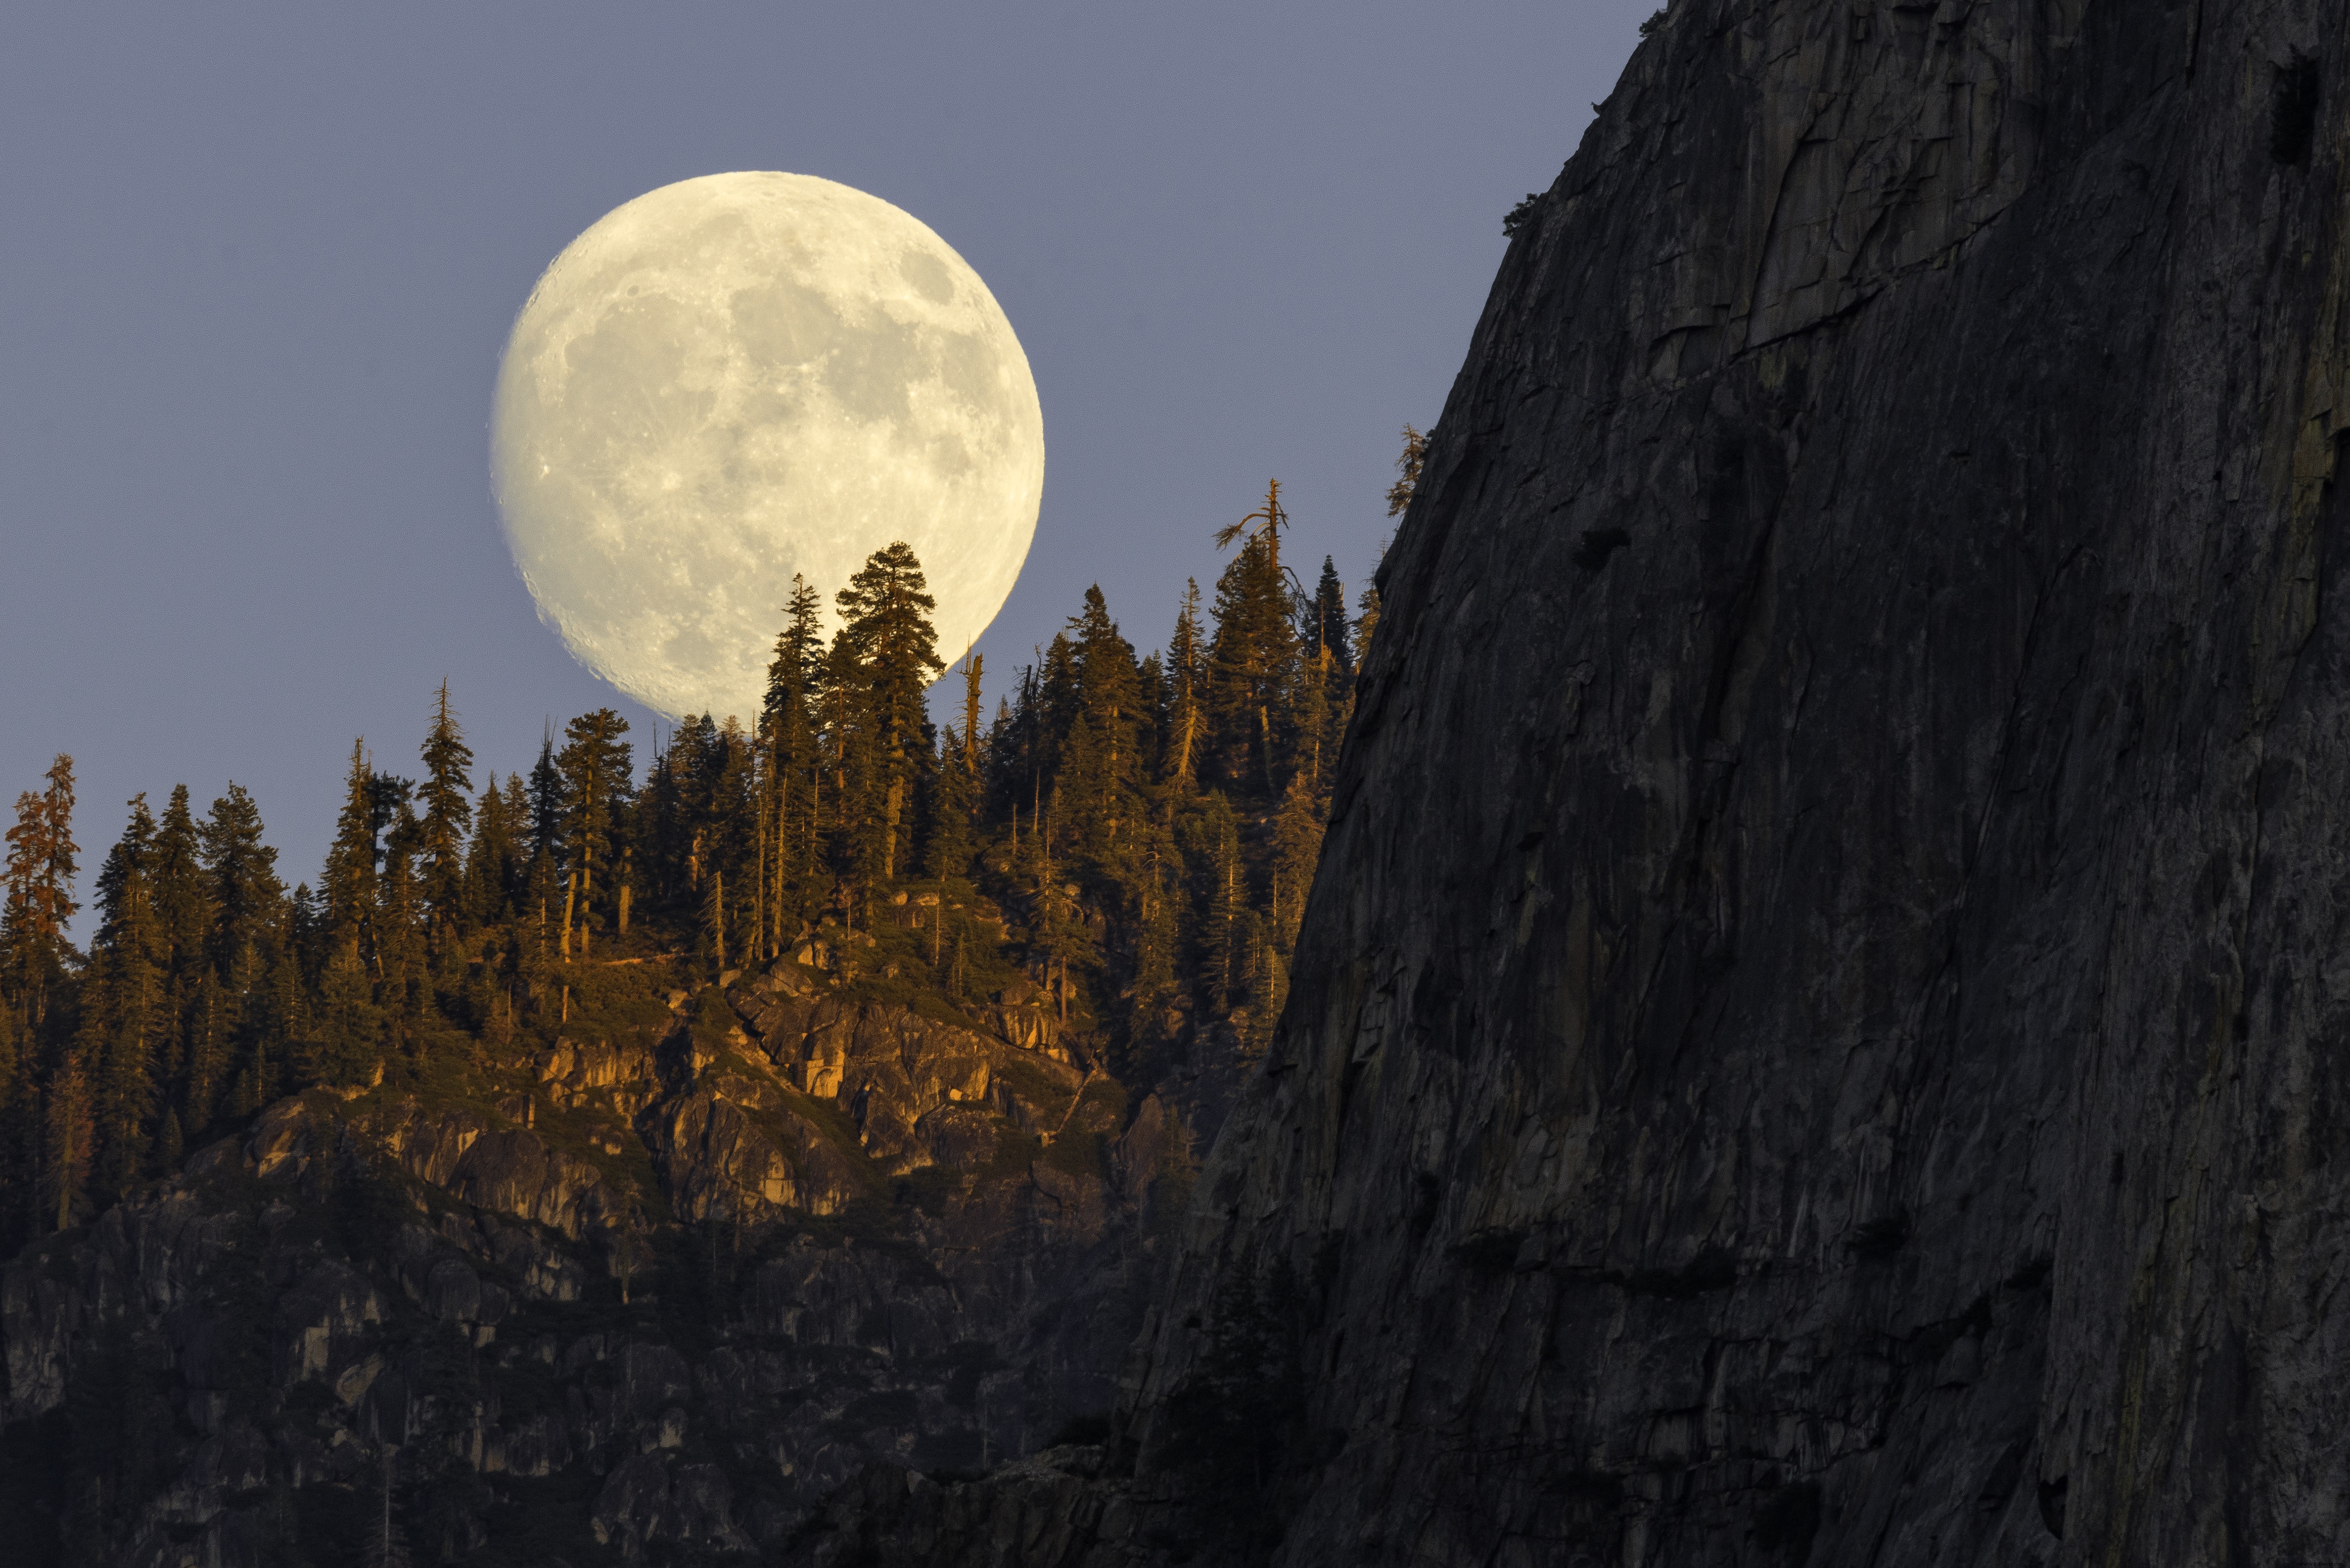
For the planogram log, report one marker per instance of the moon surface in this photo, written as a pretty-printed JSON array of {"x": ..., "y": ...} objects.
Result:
[{"x": 736, "y": 378}]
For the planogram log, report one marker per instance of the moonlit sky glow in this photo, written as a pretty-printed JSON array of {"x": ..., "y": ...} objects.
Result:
[
  {"x": 739, "y": 378},
  {"x": 262, "y": 261}
]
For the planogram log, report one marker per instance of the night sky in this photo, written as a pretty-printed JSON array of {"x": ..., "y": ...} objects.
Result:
[{"x": 259, "y": 264}]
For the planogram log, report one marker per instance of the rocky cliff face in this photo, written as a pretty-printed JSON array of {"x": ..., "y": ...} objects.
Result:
[
  {"x": 1817, "y": 1036},
  {"x": 649, "y": 1295}
]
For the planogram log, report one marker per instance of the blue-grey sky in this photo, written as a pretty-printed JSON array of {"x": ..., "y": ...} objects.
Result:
[{"x": 259, "y": 263}]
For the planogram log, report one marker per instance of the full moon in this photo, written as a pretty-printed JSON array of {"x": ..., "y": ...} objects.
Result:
[{"x": 739, "y": 378}]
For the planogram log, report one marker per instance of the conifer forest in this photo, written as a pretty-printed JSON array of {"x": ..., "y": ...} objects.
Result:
[{"x": 684, "y": 1011}]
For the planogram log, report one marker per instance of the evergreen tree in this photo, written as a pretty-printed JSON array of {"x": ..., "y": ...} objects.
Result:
[
  {"x": 1213, "y": 850},
  {"x": 545, "y": 794},
  {"x": 1267, "y": 986},
  {"x": 491, "y": 860},
  {"x": 886, "y": 632},
  {"x": 348, "y": 882},
  {"x": 948, "y": 851},
  {"x": 1101, "y": 761},
  {"x": 728, "y": 796},
  {"x": 1297, "y": 847},
  {"x": 1329, "y": 630},
  {"x": 124, "y": 1004},
  {"x": 69, "y": 1129},
  {"x": 1250, "y": 666},
  {"x": 343, "y": 1046},
  {"x": 184, "y": 905},
  {"x": 1408, "y": 467},
  {"x": 793, "y": 772},
  {"x": 1262, "y": 526},
  {"x": 403, "y": 989},
  {"x": 207, "y": 1036},
  {"x": 514, "y": 867},
  {"x": 1325, "y": 695},
  {"x": 39, "y": 898},
  {"x": 973, "y": 664},
  {"x": 596, "y": 773},
  {"x": 249, "y": 934},
  {"x": 1157, "y": 942},
  {"x": 448, "y": 812},
  {"x": 1186, "y": 691},
  {"x": 1060, "y": 698},
  {"x": 1367, "y": 620}
]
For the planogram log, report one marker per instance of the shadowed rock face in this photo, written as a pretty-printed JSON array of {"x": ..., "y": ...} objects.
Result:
[
  {"x": 1816, "y": 1034},
  {"x": 641, "y": 1296}
]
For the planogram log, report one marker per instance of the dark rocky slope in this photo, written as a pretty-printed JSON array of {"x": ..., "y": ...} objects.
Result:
[
  {"x": 649, "y": 1295},
  {"x": 1817, "y": 1036}
]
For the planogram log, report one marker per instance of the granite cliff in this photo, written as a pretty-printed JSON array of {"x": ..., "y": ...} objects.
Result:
[{"x": 1815, "y": 1035}]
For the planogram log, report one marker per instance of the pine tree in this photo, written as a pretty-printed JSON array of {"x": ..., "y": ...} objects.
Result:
[
  {"x": 514, "y": 871},
  {"x": 1408, "y": 468},
  {"x": 124, "y": 1004},
  {"x": 448, "y": 812},
  {"x": 249, "y": 934},
  {"x": 69, "y": 1130},
  {"x": 1186, "y": 691},
  {"x": 207, "y": 1036},
  {"x": 1102, "y": 769},
  {"x": 343, "y": 1047},
  {"x": 348, "y": 881},
  {"x": 1296, "y": 848},
  {"x": 1326, "y": 693},
  {"x": 1250, "y": 660},
  {"x": 794, "y": 763},
  {"x": 594, "y": 769},
  {"x": 1263, "y": 525},
  {"x": 1329, "y": 628},
  {"x": 545, "y": 795},
  {"x": 403, "y": 989},
  {"x": 1059, "y": 699},
  {"x": 1158, "y": 940},
  {"x": 491, "y": 861},
  {"x": 886, "y": 630},
  {"x": 1309, "y": 716},
  {"x": 729, "y": 797},
  {"x": 1267, "y": 986},
  {"x": 1214, "y": 848},
  {"x": 39, "y": 898},
  {"x": 973, "y": 664},
  {"x": 947, "y": 853}
]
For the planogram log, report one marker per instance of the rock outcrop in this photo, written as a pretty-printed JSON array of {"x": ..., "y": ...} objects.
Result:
[{"x": 1815, "y": 1036}]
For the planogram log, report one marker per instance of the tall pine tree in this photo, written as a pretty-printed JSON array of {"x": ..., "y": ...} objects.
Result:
[
  {"x": 597, "y": 784},
  {"x": 446, "y": 793},
  {"x": 886, "y": 634},
  {"x": 39, "y": 897},
  {"x": 124, "y": 1003}
]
